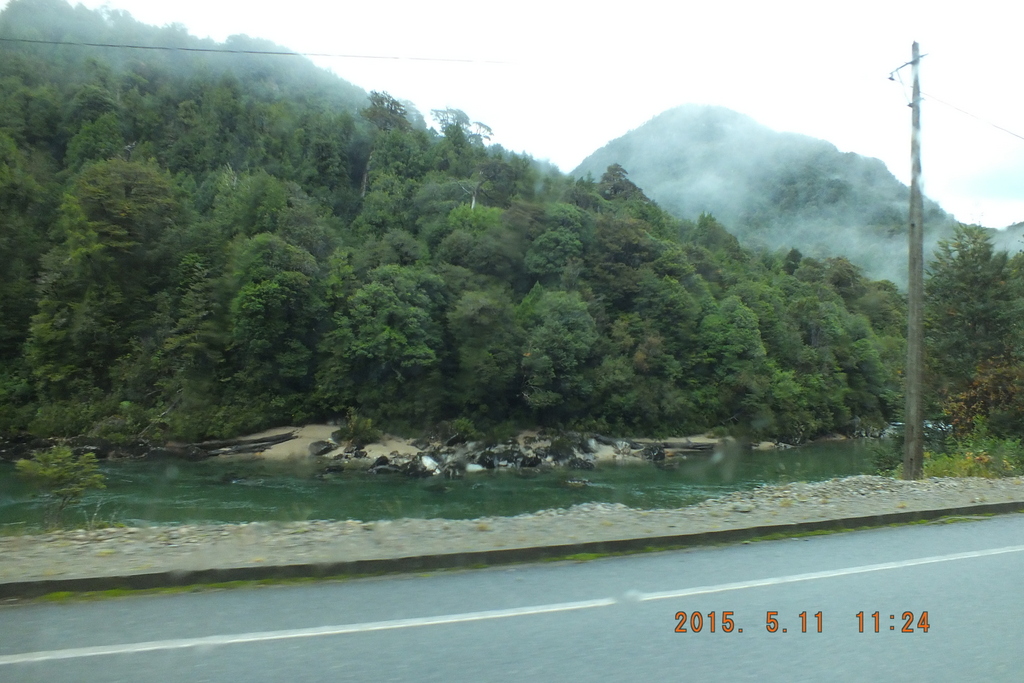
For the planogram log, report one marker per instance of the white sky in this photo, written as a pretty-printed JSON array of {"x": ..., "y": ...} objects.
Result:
[{"x": 575, "y": 75}]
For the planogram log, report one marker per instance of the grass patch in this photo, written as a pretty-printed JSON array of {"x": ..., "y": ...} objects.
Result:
[
  {"x": 958, "y": 519},
  {"x": 59, "y": 596},
  {"x": 590, "y": 557},
  {"x": 783, "y": 535},
  {"x": 19, "y": 529},
  {"x": 584, "y": 557}
]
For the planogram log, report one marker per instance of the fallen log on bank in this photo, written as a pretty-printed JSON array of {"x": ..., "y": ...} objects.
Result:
[
  {"x": 686, "y": 445},
  {"x": 232, "y": 446},
  {"x": 229, "y": 443}
]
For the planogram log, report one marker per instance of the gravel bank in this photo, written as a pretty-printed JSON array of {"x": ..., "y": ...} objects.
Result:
[{"x": 120, "y": 551}]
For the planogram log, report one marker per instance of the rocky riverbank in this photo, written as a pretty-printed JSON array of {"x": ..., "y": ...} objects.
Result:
[
  {"x": 448, "y": 455},
  {"x": 136, "y": 550}
]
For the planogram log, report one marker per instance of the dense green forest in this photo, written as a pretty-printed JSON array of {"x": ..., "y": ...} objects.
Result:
[{"x": 203, "y": 244}]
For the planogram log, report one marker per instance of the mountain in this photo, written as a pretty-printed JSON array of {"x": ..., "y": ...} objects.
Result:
[{"x": 771, "y": 189}]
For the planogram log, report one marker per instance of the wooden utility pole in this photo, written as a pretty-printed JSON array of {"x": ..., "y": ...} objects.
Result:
[{"x": 913, "y": 419}]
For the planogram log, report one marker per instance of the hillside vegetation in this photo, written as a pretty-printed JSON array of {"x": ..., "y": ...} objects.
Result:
[{"x": 202, "y": 244}]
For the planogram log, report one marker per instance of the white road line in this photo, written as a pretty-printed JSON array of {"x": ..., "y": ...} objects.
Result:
[
  {"x": 234, "y": 639},
  {"x": 263, "y": 636},
  {"x": 832, "y": 574}
]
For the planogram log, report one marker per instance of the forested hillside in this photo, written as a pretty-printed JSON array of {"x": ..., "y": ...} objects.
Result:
[
  {"x": 198, "y": 244},
  {"x": 774, "y": 190}
]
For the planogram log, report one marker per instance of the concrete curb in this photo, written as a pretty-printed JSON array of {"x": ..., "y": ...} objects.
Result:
[{"x": 166, "y": 579}]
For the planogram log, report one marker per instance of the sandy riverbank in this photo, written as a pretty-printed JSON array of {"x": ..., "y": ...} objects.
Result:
[{"x": 389, "y": 445}]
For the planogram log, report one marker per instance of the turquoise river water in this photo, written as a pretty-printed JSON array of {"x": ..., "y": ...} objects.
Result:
[{"x": 164, "y": 492}]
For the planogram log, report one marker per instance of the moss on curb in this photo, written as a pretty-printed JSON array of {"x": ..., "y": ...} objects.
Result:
[{"x": 113, "y": 593}]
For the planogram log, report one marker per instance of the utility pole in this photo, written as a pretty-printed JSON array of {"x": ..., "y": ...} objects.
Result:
[{"x": 913, "y": 419}]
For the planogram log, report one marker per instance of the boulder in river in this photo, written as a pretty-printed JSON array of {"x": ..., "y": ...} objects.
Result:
[
  {"x": 577, "y": 463},
  {"x": 416, "y": 468},
  {"x": 318, "y": 448},
  {"x": 561, "y": 449},
  {"x": 530, "y": 460},
  {"x": 454, "y": 468},
  {"x": 21, "y": 446},
  {"x": 100, "y": 447},
  {"x": 383, "y": 466},
  {"x": 487, "y": 459},
  {"x": 653, "y": 452},
  {"x": 136, "y": 448}
]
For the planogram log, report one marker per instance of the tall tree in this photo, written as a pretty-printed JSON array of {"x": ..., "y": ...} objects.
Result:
[
  {"x": 98, "y": 286},
  {"x": 972, "y": 314}
]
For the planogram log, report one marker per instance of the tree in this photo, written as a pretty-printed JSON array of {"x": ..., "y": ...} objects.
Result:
[
  {"x": 995, "y": 395},
  {"x": 22, "y": 242},
  {"x": 971, "y": 315},
  {"x": 64, "y": 476},
  {"x": 384, "y": 347},
  {"x": 97, "y": 140},
  {"x": 450, "y": 117},
  {"x": 560, "y": 335},
  {"x": 615, "y": 185},
  {"x": 97, "y": 288},
  {"x": 614, "y": 259},
  {"x": 488, "y": 341},
  {"x": 480, "y": 241},
  {"x": 385, "y": 112},
  {"x": 475, "y": 131},
  {"x": 274, "y": 316},
  {"x": 551, "y": 252}
]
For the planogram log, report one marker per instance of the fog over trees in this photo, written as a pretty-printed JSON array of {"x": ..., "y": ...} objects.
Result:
[{"x": 773, "y": 190}]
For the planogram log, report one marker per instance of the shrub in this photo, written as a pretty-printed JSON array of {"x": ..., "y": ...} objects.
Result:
[
  {"x": 978, "y": 454},
  {"x": 64, "y": 477},
  {"x": 360, "y": 430},
  {"x": 463, "y": 426},
  {"x": 887, "y": 456}
]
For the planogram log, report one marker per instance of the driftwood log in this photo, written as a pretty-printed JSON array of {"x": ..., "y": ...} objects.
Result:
[
  {"x": 228, "y": 446},
  {"x": 686, "y": 445}
]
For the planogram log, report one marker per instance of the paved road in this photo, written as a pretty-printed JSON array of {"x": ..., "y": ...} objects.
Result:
[{"x": 610, "y": 619}]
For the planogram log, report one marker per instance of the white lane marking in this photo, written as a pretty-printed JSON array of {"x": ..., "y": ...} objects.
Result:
[
  {"x": 238, "y": 638},
  {"x": 234, "y": 639},
  {"x": 831, "y": 574}
]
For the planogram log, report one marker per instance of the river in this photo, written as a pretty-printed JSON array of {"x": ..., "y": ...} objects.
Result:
[{"x": 166, "y": 492}]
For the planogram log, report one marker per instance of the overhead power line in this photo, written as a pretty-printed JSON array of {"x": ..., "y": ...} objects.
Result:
[
  {"x": 973, "y": 116},
  {"x": 245, "y": 52},
  {"x": 895, "y": 75}
]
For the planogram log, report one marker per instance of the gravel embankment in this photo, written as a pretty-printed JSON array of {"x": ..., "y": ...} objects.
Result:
[{"x": 121, "y": 551}]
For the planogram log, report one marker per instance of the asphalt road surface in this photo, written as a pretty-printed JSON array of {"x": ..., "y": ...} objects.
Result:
[{"x": 612, "y": 619}]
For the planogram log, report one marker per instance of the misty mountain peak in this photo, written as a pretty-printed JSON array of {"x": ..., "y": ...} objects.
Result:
[{"x": 771, "y": 189}]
